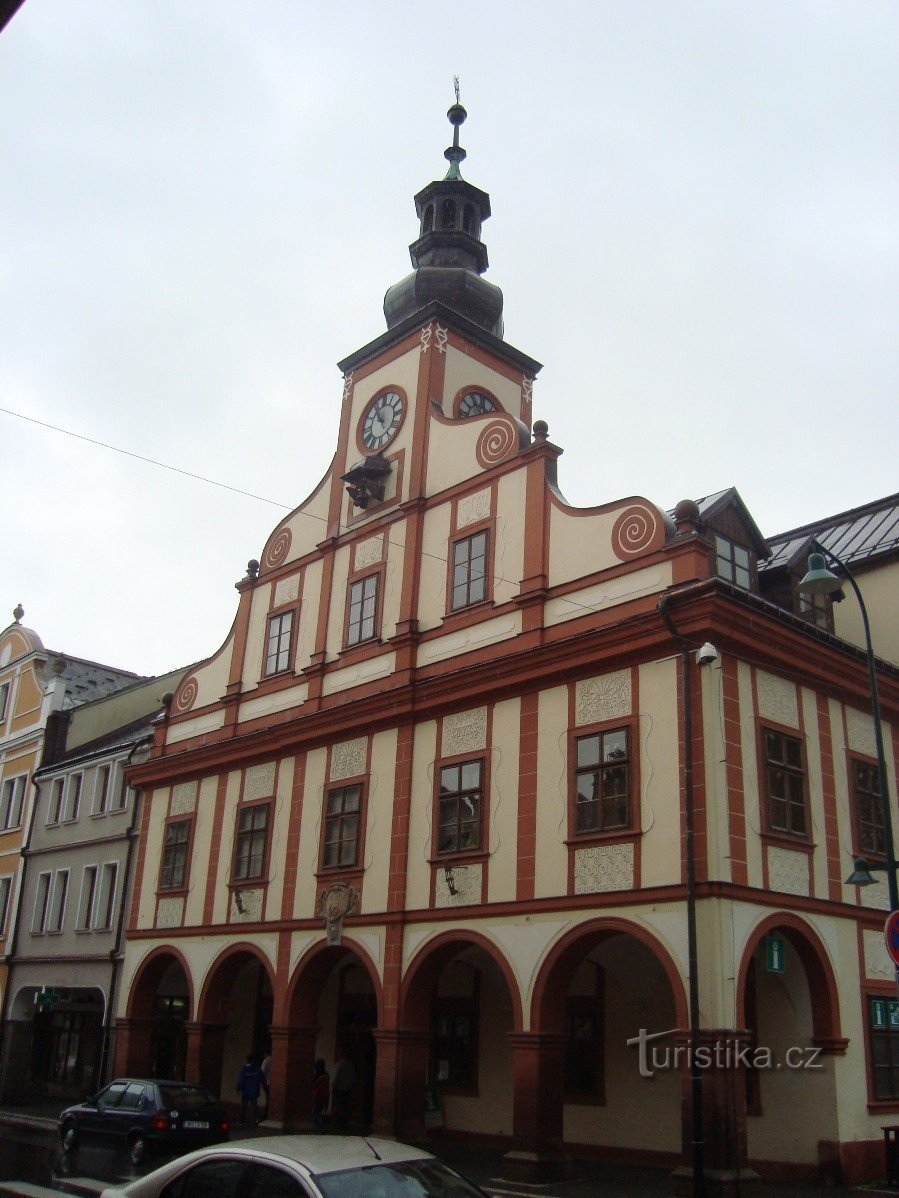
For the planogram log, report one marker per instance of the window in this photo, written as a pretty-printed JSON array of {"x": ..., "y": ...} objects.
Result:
[
  {"x": 5, "y": 891},
  {"x": 41, "y": 898},
  {"x": 733, "y": 562},
  {"x": 603, "y": 781},
  {"x": 868, "y": 811},
  {"x": 883, "y": 1027},
  {"x": 106, "y": 898},
  {"x": 362, "y": 610},
  {"x": 56, "y": 910},
  {"x": 455, "y": 1042},
  {"x": 12, "y": 802},
  {"x": 86, "y": 898},
  {"x": 459, "y": 807},
  {"x": 785, "y": 780},
  {"x": 101, "y": 789},
  {"x": 118, "y": 795},
  {"x": 174, "y": 855},
  {"x": 817, "y": 609},
  {"x": 343, "y": 810},
  {"x": 54, "y": 814},
  {"x": 469, "y": 582},
  {"x": 252, "y": 836},
  {"x": 4, "y": 699},
  {"x": 73, "y": 797},
  {"x": 277, "y": 653}
]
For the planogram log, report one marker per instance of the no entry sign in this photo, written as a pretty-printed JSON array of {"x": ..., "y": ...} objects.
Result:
[{"x": 891, "y": 936}]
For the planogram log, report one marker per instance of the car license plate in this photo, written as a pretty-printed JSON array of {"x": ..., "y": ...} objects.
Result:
[{"x": 196, "y": 1123}]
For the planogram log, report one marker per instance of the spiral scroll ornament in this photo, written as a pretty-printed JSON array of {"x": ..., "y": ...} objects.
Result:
[
  {"x": 496, "y": 443},
  {"x": 187, "y": 695},
  {"x": 637, "y": 530},
  {"x": 278, "y": 549}
]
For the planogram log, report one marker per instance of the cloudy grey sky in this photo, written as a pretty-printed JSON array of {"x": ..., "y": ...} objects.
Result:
[{"x": 202, "y": 204}]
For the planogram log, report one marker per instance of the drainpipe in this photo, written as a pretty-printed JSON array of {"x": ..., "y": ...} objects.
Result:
[
  {"x": 697, "y": 1136},
  {"x": 115, "y": 953}
]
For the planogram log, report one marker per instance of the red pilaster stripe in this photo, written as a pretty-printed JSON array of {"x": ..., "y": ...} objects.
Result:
[
  {"x": 399, "y": 835},
  {"x": 292, "y": 848},
  {"x": 829, "y": 793},
  {"x": 215, "y": 848},
  {"x": 527, "y": 797},
  {"x": 733, "y": 757}
]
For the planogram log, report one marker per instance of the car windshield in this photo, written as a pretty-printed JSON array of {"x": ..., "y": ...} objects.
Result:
[
  {"x": 185, "y": 1098},
  {"x": 407, "y": 1179}
]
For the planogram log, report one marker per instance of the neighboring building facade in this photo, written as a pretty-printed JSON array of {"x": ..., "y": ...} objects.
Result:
[
  {"x": 34, "y": 683},
  {"x": 428, "y": 801},
  {"x": 75, "y": 885}
]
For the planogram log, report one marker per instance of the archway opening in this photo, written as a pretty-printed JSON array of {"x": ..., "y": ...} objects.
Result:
[
  {"x": 159, "y": 1006},
  {"x": 235, "y": 1015}
]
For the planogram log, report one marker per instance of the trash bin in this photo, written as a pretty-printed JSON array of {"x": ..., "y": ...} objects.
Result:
[{"x": 891, "y": 1149}]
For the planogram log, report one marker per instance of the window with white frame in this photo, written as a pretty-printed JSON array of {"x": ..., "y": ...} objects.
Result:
[
  {"x": 12, "y": 802},
  {"x": 73, "y": 796},
  {"x": 57, "y": 909},
  {"x": 102, "y": 786},
  {"x": 106, "y": 897},
  {"x": 57, "y": 793},
  {"x": 86, "y": 898},
  {"x": 119, "y": 793},
  {"x": 5, "y": 891},
  {"x": 41, "y": 901},
  {"x": 4, "y": 699}
]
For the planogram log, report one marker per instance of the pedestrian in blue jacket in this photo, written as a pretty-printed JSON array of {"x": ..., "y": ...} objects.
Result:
[{"x": 250, "y": 1082}]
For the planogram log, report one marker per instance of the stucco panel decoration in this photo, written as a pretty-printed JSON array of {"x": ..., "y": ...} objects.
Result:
[
  {"x": 788, "y": 872},
  {"x": 777, "y": 699},
  {"x": 877, "y": 963},
  {"x": 170, "y": 913},
  {"x": 184, "y": 798},
  {"x": 527, "y": 389},
  {"x": 186, "y": 696},
  {"x": 604, "y": 867},
  {"x": 277, "y": 549},
  {"x": 246, "y": 906},
  {"x": 497, "y": 442},
  {"x": 348, "y": 758},
  {"x": 347, "y": 385},
  {"x": 639, "y": 529},
  {"x": 339, "y": 900},
  {"x": 260, "y": 781},
  {"x": 465, "y": 732},
  {"x": 860, "y": 732},
  {"x": 369, "y": 552},
  {"x": 467, "y": 882},
  {"x": 605, "y": 698},
  {"x": 473, "y": 508},
  {"x": 287, "y": 590}
]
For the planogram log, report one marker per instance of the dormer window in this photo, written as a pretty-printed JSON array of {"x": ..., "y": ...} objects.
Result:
[{"x": 733, "y": 563}]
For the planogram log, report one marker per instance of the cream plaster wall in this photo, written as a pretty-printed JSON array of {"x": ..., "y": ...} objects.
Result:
[
  {"x": 379, "y": 821},
  {"x": 204, "y": 827},
  {"x": 617, "y": 590},
  {"x": 308, "y": 524},
  {"x": 277, "y": 858},
  {"x": 360, "y": 672},
  {"x": 490, "y": 1111},
  {"x": 310, "y": 828},
  {"x": 879, "y": 588},
  {"x": 222, "y": 895},
  {"x": 159, "y": 803},
  {"x": 502, "y": 816},
  {"x": 309, "y": 607},
  {"x": 717, "y": 797},
  {"x": 581, "y": 539},
  {"x": 418, "y": 888},
  {"x": 292, "y": 696},
  {"x": 402, "y": 372},
  {"x": 473, "y": 636},
  {"x": 195, "y": 727},
  {"x": 508, "y": 560},
  {"x": 815, "y": 792},
  {"x": 337, "y": 600},
  {"x": 432, "y": 572},
  {"x": 254, "y": 653},
  {"x": 659, "y": 774},
  {"x": 551, "y": 872},
  {"x": 750, "y": 772},
  {"x": 461, "y": 370},
  {"x": 212, "y": 676},
  {"x": 451, "y": 452}
]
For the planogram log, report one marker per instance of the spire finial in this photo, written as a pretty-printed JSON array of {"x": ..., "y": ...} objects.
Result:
[
  {"x": 18, "y": 612},
  {"x": 454, "y": 154}
]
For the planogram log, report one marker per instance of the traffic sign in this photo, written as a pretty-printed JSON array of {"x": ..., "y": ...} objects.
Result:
[{"x": 891, "y": 936}]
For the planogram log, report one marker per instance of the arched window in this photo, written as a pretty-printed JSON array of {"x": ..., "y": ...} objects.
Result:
[
  {"x": 448, "y": 214},
  {"x": 469, "y": 219},
  {"x": 427, "y": 223}
]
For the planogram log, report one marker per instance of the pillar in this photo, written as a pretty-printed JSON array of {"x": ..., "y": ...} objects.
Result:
[
  {"x": 133, "y": 1047},
  {"x": 290, "y": 1076},
  {"x": 538, "y": 1074},
  {"x": 204, "y": 1055}
]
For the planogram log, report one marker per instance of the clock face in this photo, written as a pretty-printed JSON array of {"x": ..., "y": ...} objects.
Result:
[
  {"x": 382, "y": 420},
  {"x": 474, "y": 403}
]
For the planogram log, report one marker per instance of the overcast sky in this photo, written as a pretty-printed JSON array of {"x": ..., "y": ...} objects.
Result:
[{"x": 203, "y": 203}]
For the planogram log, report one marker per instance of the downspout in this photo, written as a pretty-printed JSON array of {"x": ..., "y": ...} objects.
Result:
[
  {"x": 115, "y": 953},
  {"x": 697, "y": 1136}
]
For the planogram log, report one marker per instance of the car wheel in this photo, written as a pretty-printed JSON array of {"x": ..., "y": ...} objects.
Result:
[
  {"x": 137, "y": 1149},
  {"x": 69, "y": 1136}
]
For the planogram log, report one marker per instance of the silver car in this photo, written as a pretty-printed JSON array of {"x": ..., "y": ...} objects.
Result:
[{"x": 303, "y": 1167}]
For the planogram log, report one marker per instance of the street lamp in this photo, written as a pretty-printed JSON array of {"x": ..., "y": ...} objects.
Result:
[{"x": 821, "y": 581}]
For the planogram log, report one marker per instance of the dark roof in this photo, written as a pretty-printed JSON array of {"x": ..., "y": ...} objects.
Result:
[
  {"x": 710, "y": 505},
  {"x": 87, "y": 680},
  {"x": 118, "y": 738},
  {"x": 855, "y": 536}
]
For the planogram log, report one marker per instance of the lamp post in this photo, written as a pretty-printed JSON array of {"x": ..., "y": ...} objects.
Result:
[{"x": 821, "y": 581}]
